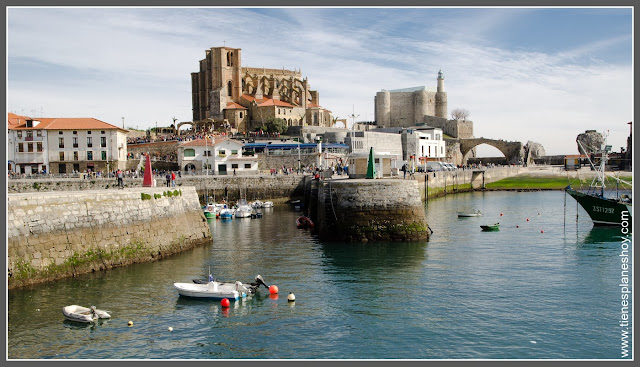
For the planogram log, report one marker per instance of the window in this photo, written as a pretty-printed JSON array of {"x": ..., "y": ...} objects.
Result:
[
  {"x": 20, "y": 147},
  {"x": 104, "y": 155},
  {"x": 62, "y": 168},
  {"x": 39, "y": 133},
  {"x": 234, "y": 152},
  {"x": 247, "y": 165},
  {"x": 88, "y": 132},
  {"x": 89, "y": 142},
  {"x": 75, "y": 133},
  {"x": 75, "y": 142},
  {"x": 60, "y": 142},
  {"x": 89, "y": 155},
  {"x": 189, "y": 153},
  {"x": 34, "y": 169},
  {"x": 240, "y": 114},
  {"x": 229, "y": 87},
  {"x": 30, "y": 134},
  {"x": 59, "y": 132},
  {"x": 30, "y": 147},
  {"x": 103, "y": 141},
  {"x": 39, "y": 146},
  {"x": 102, "y": 132},
  {"x": 61, "y": 156},
  {"x": 222, "y": 153},
  {"x": 234, "y": 165},
  {"x": 207, "y": 153},
  {"x": 20, "y": 134},
  {"x": 76, "y": 167},
  {"x": 75, "y": 156}
]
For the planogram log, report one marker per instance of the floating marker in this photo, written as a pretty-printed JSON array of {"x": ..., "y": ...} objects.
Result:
[
  {"x": 517, "y": 226},
  {"x": 224, "y": 302},
  {"x": 291, "y": 297},
  {"x": 541, "y": 231},
  {"x": 527, "y": 219},
  {"x": 273, "y": 289},
  {"x": 130, "y": 323},
  {"x": 500, "y": 214},
  {"x": 170, "y": 328},
  {"x": 533, "y": 342}
]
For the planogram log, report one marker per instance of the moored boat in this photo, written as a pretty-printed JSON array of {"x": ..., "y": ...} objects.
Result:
[
  {"x": 304, "y": 222},
  {"x": 226, "y": 213},
  {"x": 491, "y": 227},
  {"x": 612, "y": 210},
  {"x": 84, "y": 314},
  {"x": 218, "y": 290},
  {"x": 267, "y": 204},
  {"x": 244, "y": 210},
  {"x": 465, "y": 215}
]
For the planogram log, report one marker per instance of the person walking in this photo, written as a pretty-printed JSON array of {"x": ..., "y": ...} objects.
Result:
[
  {"x": 168, "y": 178},
  {"x": 173, "y": 179},
  {"x": 120, "y": 176}
]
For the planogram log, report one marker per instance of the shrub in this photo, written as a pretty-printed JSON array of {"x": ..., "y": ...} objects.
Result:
[{"x": 144, "y": 196}]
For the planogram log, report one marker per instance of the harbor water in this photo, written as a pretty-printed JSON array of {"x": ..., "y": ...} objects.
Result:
[{"x": 545, "y": 286}]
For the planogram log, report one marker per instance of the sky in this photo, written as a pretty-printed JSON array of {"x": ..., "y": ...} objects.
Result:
[{"x": 524, "y": 74}]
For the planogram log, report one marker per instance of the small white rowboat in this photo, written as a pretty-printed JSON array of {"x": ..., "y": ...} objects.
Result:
[
  {"x": 218, "y": 290},
  {"x": 84, "y": 314}
]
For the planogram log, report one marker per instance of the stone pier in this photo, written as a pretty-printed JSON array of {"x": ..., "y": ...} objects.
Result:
[
  {"x": 53, "y": 235},
  {"x": 364, "y": 210}
]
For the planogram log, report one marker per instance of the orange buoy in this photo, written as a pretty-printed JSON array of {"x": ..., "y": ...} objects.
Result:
[
  {"x": 273, "y": 289},
  {"x": 224, "y": 302},
  {"x": 500, "y": 214},
  {"x": 541, "y": 231},
  {"x": 527, "y": 219}
]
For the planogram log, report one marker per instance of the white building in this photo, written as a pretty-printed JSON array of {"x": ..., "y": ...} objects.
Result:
[
  {"x": 431, "y": 145},
  {"x": 64, "y": 145},
  {"x": 221, "y": 156}
]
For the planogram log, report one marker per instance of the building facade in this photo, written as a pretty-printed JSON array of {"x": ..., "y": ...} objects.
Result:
[
  {"x": 226, "y": 94},
  {"x": 64, "y": 145},
  {"x": 220, "y": 156}
]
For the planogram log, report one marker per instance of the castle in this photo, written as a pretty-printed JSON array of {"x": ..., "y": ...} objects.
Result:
[
  {"x": 418, "y": 106},
  {"x": 226, "y": 94}
]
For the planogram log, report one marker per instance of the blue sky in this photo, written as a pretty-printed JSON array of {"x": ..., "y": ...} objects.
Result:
[{"x": 540, "y": 74}]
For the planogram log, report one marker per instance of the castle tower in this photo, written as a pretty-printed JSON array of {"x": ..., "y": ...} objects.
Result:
[
  {"x": 383, "y": 108},
  {"x": 441, "y": 97}
]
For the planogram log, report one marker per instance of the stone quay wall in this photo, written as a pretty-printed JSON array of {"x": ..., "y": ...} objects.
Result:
[
  {"x": 259, "y": 186},
  {"x": 364, "y": 210},
  {"x": 52, "y": 236}
]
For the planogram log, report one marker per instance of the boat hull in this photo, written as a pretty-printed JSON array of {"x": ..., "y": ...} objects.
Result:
[
  {"x": 82, "y": 314},
  {"x": 602, "y": 211},
  {"x": 208, "y": 290}
]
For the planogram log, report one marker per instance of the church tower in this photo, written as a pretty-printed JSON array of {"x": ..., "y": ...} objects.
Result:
[{"x": 441, "y": 97}]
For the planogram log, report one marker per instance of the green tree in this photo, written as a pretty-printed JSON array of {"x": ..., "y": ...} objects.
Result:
[{"x": 274, "y": 125}]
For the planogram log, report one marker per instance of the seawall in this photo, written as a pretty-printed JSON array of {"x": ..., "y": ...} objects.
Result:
[
  {"x": 52, "y": 236},
  {"x": 364, "y": 210}
]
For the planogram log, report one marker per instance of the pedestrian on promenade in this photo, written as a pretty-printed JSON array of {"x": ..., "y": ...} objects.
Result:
[
  {"x": 173, "y": 179},
  {"x": 168, "y": 178},
  {"x": 120, "y": 176},
  {"x": 404, "y": 171}
]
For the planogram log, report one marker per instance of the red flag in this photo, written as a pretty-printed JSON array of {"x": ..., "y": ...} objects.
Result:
[{"x": 148, "y": 180}]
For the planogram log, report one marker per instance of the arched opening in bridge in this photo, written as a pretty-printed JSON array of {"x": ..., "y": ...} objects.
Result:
[{"x": 486, "y": 154}]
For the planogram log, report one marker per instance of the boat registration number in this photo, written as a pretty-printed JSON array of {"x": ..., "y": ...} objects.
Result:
[{"x": 601, "y": 209}]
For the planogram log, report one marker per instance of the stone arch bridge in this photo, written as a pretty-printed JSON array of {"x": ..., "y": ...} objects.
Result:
[{"x": 513, "y": 150}]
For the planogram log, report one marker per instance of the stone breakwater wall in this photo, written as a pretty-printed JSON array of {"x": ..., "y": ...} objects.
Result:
[
  {"x": 367, "y": 210},
  {"x": 262, "y": 187},
  {"x": 52, "y": 236}
]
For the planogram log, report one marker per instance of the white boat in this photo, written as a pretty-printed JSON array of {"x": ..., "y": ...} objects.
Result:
[
  {"x": 217, "y": 290},
  {"x": 257, "y": 204},
  {"x": 226, "y": 213},
  {"x": 476, "y": 214},
  {"x": 84, "y": 314},
  {"x": 267, "y": 204},
  {"x": 244, "y": 210}
]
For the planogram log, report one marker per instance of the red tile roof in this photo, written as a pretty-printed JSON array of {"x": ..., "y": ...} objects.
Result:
[
  {"x": 266, "y": 101},
  {"x": 235, "y": 106},
  {"x": 60, "y": 123}
]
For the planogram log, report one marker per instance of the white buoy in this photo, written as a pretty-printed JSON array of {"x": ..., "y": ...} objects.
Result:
[
  {"x": 533, "y": 342},
  {"x": 170, "y": 328},
  {"x": 291, "y": 297},
  {"x": 130, "y": 323}
]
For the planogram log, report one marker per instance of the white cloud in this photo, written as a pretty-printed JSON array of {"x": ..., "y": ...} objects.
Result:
[{"x": 141, "y": 60}]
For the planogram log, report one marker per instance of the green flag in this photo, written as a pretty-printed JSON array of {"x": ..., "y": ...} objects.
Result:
[{"x": 371, "y": 167}]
